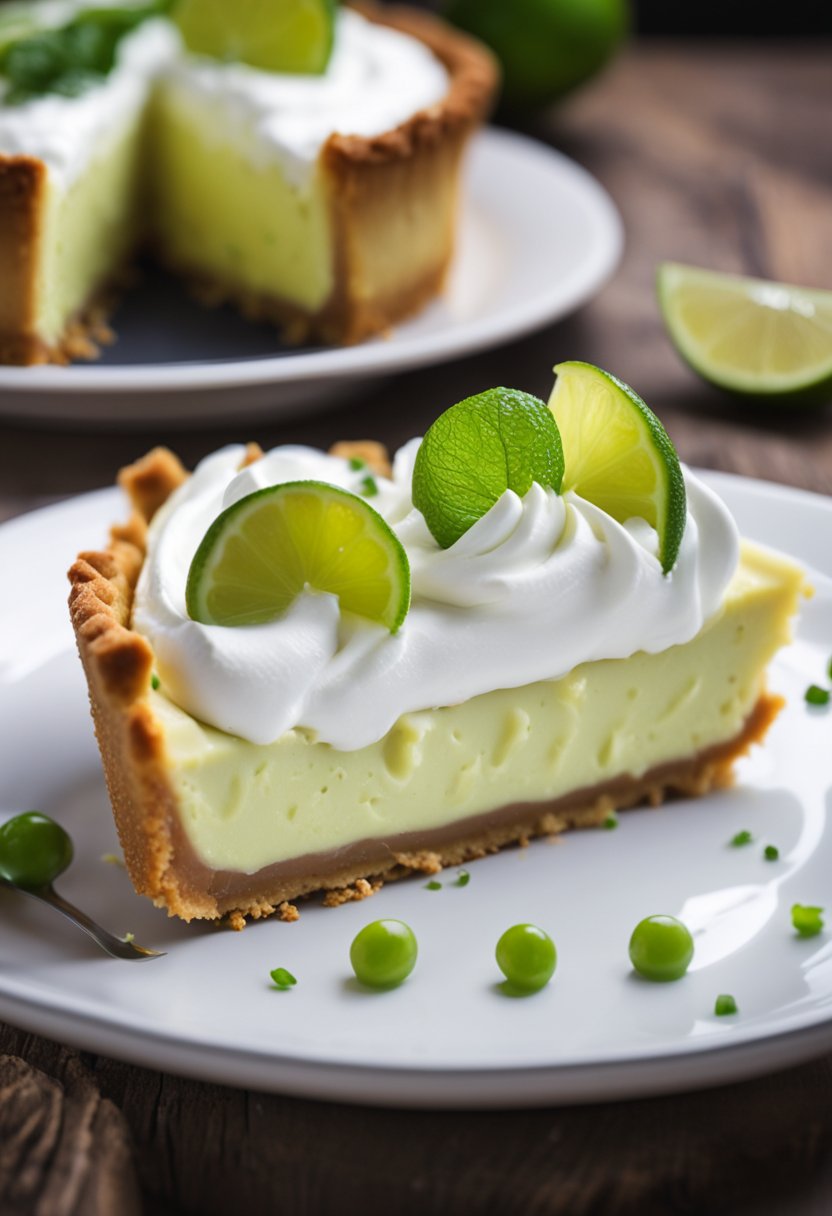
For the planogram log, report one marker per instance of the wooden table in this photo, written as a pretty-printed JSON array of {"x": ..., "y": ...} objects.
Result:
[{"x": 717, "y": 155}]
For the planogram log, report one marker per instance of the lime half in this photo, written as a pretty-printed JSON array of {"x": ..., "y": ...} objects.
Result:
[
  {"x": 264, "y": 550},
  {"x": 617, "y": 454},
  {"x": 750, "y": 336},
  {"x": 274, "y": 35}
]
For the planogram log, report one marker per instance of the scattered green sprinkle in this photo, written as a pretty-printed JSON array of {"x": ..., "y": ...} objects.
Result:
[
  {"x": 155, "y": 682},
  {"x": 771, "y": 852},
  {"x": 369, "y": 487},
  {"x": 462, "y": 879},
  {"x": 807, "y": 920},
  {"x": 433, "y": 885},
  {"x": 611, "y": 821},
  {"x": 282, "y": 979},
  {"x": 815, "y": 695},
  {"x": 128, "y": 938},
  {"x": 741, "y": 838},
  {"x": 113, "y": 859},
  {"x": 724, "y": 1005},
  {"x": 356, "y": 464}
]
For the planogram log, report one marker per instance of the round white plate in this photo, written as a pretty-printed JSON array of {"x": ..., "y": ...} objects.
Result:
[
  {"x": 448, "y": 1036},
  {"x": 538, "y": 237}
]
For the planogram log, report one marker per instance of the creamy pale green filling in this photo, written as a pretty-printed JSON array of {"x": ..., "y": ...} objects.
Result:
[
  {"x": 220, "y": 209},
  {"x": 245, "y": 806},
  {"x": 88, "y": 230}
]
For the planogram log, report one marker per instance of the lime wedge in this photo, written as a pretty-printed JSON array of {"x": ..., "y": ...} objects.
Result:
[
  {"x": 264, "y": 550},
  {"x": 499, "y": 440},
  {"x": 750, "y": 336},
  {"x": 617, "y": 453},
  {"x": 274, "y": 35}
]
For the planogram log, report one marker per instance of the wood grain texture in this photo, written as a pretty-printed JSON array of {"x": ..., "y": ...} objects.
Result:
[{"x": 716, "y": 155}]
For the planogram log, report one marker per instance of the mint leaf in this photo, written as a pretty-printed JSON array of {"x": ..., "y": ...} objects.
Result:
[{"x": 500, "y": 440}]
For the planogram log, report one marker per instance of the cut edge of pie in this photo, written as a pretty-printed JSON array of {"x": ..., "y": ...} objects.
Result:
[
  {"x": 159, "y": 856},
  {"x": 371, "y": 183}
]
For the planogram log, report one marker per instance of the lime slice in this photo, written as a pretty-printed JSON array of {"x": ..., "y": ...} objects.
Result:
[
  {"x": 275, "y": 35},
  {"x": 750, "y": 336},
  {"x": 500, "y": 440},
  {"x": 264, "y": 550},
  {"x": 618, "y": 455}
]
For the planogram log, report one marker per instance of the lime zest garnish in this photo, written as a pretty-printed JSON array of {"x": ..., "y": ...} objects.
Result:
[
  {"x": 155, "y": 682},
  {"x": 771, "y": 852},
  {"x": 750, "y": 336},
  {"x": 617, "y": 453},
  {"x": 357, "y": 464},
  {"x": 282, "y": 979},
  {"x": 807, "y": 919},
  {"x": 273, "y": 35},
  {"x": 433, "y": 885},
  {"x": 266, "y": 549},
  {"x": 499, "y": 440},
  {"x": 611, "y": 822},
  {"x": 741, "y": 838},
  {"x": 462, "y": 879},
  {"x": 369, "y": 487},
  {"x": 815, "y": 695},
  {"x": 724, "y": 1005},
  {"x": 68, "y": 60}
]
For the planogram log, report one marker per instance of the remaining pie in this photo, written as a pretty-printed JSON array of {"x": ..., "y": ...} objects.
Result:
[
  {"x": 324, "y": 203},
  {"x": 547, "y": 673}
]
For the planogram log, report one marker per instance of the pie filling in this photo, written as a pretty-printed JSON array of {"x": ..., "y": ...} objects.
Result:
[{"x": 244, "y": 807}]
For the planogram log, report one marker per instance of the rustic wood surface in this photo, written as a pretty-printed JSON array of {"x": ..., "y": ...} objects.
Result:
[{"x": 717, "y": 155}]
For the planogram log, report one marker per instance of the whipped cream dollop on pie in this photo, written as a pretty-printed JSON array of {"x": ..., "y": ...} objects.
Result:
[{"x": 537, "y": 586}]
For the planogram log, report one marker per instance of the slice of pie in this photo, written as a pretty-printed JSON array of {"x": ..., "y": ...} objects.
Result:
[
  {"x": 325, "y": 203},
  {"x": 548, "y": 672}
]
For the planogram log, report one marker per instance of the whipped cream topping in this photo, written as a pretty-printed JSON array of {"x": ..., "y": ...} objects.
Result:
[
  {"x": 376, "y": 79},
  {"x": 68, "y": 133},
  {"x": 534, "y": 588}
]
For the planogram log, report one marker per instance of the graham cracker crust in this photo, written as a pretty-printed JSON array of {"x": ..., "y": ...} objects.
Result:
[
  {"x": 162, "y": 865},
  {"x": 372, "y": 181}
]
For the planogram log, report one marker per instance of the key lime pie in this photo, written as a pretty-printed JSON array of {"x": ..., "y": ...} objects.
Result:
[
  {"x": 310, "y": 178},
  {"x": 316, "y": 671}
]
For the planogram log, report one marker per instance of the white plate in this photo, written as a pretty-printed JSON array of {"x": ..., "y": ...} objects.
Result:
[
  {"x": 538, "y": 237},
  {"x": 447, "y": 1037}
]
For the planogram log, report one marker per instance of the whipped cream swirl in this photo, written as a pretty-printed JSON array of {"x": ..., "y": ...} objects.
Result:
[{"x": 534, "y": 588}]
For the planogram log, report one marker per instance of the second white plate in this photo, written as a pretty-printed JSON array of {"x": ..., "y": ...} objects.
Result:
[
  {"x": 447, "y": 1037},
  {"x": 538, "y": 237}
]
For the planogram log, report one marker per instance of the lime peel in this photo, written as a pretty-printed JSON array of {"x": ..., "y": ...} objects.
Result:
[
  {"x": 617, "y": 454},
  {"x": 499, "y": 440},
  {"x": 260, "y": 553},
  {"x": 273, "y": 35}
]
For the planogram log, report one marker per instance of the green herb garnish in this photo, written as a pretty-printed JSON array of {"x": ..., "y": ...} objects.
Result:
[
  {"x": 72, "y": 58},
  {"x": 282, "y": 979},
  {"x": 462, "y": 879},
  {"x": 815, "y": 695},
  {"x": 155, "y": 682},
  {"x": 357, "y": 464},
  {"x": 369, "y": 487},
  {"x": 771, "y": 852},
  {"x": 741, "y": 838},
  {"x": 724, "y": 1005},
  {"x": 807, "y": 919},
  {"x": 433, "y": 885},
  {"x": 611, "y": 822}
]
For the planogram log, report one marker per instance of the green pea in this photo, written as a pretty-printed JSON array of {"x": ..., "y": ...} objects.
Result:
[
  {"x": 34, "y": 849},
  {"x": 384, "y": 953},
  {"x": 661, "y": 948},
  {"x": 527, "y": 957}
]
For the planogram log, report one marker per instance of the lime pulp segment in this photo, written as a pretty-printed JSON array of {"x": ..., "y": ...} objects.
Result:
[
  {"x": 617, "y": 454},
  {"x": 749, "y": 335},
  {"x": 273, "y": 35},
  {"x": 264, "y": 550}
]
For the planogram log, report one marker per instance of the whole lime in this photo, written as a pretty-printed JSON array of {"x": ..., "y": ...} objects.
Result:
[{"x": 546, "y": 47}]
